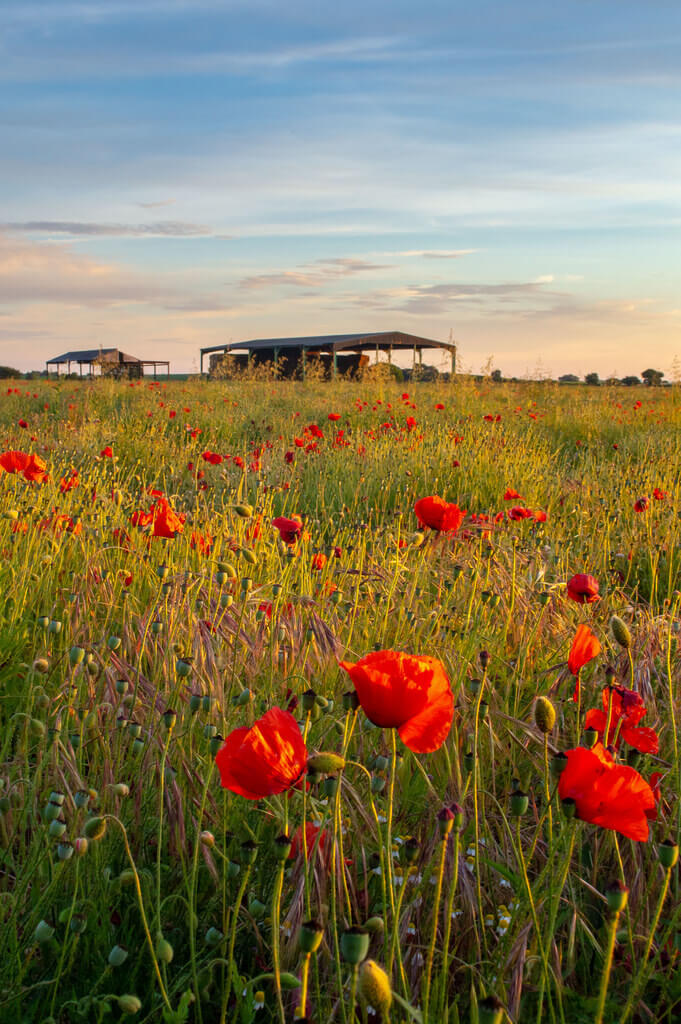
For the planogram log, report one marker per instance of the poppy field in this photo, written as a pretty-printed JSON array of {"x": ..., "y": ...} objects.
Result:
[{"x": 349, "y": 703}]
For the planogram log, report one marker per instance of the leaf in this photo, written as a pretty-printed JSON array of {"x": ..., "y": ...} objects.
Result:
[
  {"x": 181, "y": 1014},
  {"x": 411, "y": 1010}
]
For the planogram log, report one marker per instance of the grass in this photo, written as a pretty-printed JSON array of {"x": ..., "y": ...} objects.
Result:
[{"x": 180, "y": 909}]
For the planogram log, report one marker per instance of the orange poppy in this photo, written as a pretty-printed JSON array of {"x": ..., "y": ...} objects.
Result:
[
  {"x": 627, "y": 711},
  {"x": 611, "y": 795},
  {"x": 438, "y": 514},
  {"x": 266, "y": 759},
  {"x": 32, "y": 466},
  {"x": 406, "y": 692}
]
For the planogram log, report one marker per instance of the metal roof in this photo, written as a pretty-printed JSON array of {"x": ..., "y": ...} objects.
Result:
[
  {"x": 95, "y": 355},
  {"x": 335, "y": 342}
]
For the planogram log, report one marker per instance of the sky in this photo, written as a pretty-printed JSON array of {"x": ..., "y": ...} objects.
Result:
[{"x": 182, "y": 173}]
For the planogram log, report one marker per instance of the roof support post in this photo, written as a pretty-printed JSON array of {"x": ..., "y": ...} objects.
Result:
[
  {"x": 276, "y": 358},
  {"x": 413, "y": 360},
  {"x": 201, "y": 364},
  {"x": 68, "y": 368},
  {"x": 335, "y": 362},
  {"x": 453, "y": 370},
  {"x": 304, "y": 351}
]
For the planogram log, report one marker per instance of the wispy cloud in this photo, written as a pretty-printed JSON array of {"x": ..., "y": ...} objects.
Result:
[
  {"x": 438, "y": 254},
  {"x": 75, "y": 229},
  {"x": 159, "y": 202},
  {"x": 308, "y": 276}
]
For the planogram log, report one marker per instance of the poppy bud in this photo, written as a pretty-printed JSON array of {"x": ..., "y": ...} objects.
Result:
[
  {"x": 95, "y": 828},
  {"x": 244, "y": 511},
  {"x": 113, "y": 643},
  {"x": 43, "y": 932},
  {"x": 354, "y": 945},
  {"x": 164, "y": 951},
  {"x": 375, "y": 925},
  {"x": 468, "y": 761},
  {"x": 129, "y": 1004},
  {"x": 519, "y": 802},
  {"x": 41, "y": 665},
  {"x": 445, "y": 821},
  {"x": 194, "y": 703},
  {"x": 207, "y": 838},
  {"x": 617, "y": 896},
  {"x": 310, "y": 936},
  {"x": 282, "y": 847},
  {"x": 490, "y": 1010},
  {"x": 620, "y": 632},
  {"x": 325, "y": 762},
  {"x": 76, "y": 655},
  {"x": 80, "y": 846},
  {"x": 374, "y": 987},
  {"x": 120, "y": 789},
  {"x": 484, "y": 659},
  {"x": 248, "y": 556},
  {"x": 668, "y": 852},
  {"x": 78, "y": 924},
  {"x": 544, "y": 715},
  {"x": 243, "y": 698}
]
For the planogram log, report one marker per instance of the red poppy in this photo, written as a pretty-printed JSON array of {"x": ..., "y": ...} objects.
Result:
[
  {"x": 201, "y": 542},
  {"x": 266, "y": 759},
  {"x": 334, "y": 416},
  {"x": 107, "y": 453},
  {"x": 518, "y": 512},
  {"x": 611, "y": 795},
  {"x": 32, "y": 466},
  {"x": 290, "y": 529},
  {"x": 67, "y": 483},
  {"x": 23, "y": 424},
  {"x": 627, "y": 711},
  {"x": 511, "y": 495},
  {"x": 439, "y": 406},
  {"x": 212, "y": 457},
  {"x": 406, "y": 692},
  {"x": 167, "y": 522},
  {"x": 641, "y": 504},
  {"x": 318, "y": 561},
  {"x": 583, "y": 588},
  {"x": 585, "y": 647},
  {"x": 659, "y": 494},
  {"x": 438, "y": 514},
  {"x": 311, "y": 833}
]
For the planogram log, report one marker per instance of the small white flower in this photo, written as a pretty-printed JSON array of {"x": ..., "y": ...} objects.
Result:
[
  {"x": 415, "y": 879},
  {"x": 287, "y": 929},
  {"x": 505, "y": 884},
  {"x": 411, "y": 929},
  {"x": 418, "y": 958}
]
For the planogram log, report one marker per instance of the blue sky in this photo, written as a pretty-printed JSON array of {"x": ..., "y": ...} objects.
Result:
[{"x": 176, "y": 174}]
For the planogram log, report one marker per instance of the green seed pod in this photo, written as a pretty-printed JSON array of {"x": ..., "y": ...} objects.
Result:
[
  {"x": 620, "y": 632},
  {"x": 544, "y": 715},
  {"x": 52, "y": 811},
  {"x": 64, "y": 850},
  {"x": 157, "y": 627},
  {"x": 182, "y": 668},
  {"x": 43, "y": 932},
  {"x": 289, "y": 982},
  {"x": 519, "y": 803},
  {"x": 162, "y": 572},
  {"x": 248, "y": 556},
  {"x": 354, "y": 945},
  {"x": 282, "y": 846},
  {"x": 127, "y": 877},
  {"x": 468, "y": 761},
  {"x": 590, "y": 738},
  {"x": 325, "y": 763},
  {"x": 617, "y": 896},
  {"x": 490, "y": 1010},
  {"x": 113, "y": 643},
  {"x": 194, "y": 703},
  {"x": 78, "y": 924},
  {"x": 310, "y": 936},
  {"x": 76, "y": 655},
  {"x": 209, "y": 730},
  {"x": 378, "y": 783},
  {"x": 213, "y": 937},
  {"x": 122, "y": 686},
  {"x": 375, "y": 925},
  {"x": 244, "y": 511},
  {"x": 249, "y": 851},
  {"x": 216, "y": 744},
  {"x": 129, "y": 1004},
  {"x": 668, "y": 852},
  {"x": 245, "y": 697},
  {"x": 256, "y": 907},
  {"x": 57, "y": 828},
  {"x": 559, "y": 763},
  {"x": 350, "y": 701},
  {"x": 329, "y": 786},
  {"x": 43, "y": 621},
  {"x": 134, "y": 729},
  {"x": 5, "y": 805},
  {"x": 118, "y": 956},
  {"x": 374, "y": 987},
  {"x": 226, "y": 600},
  {"x": 95, "y": 828}
]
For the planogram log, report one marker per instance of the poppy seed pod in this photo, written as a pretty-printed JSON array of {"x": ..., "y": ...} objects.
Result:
[
  {"x": 374, "y": 987},
  {"x": 519, "y": 802},
  {"x": 282, "y": 846},
  {"x": 249, "y": 851},
  {"x": 590, "y": 737},
  {"x": 117, "y": 956},
  {"x": 544, "y": 715},
  {"x": 617, "y": 896},
  {"x": 490, "y": 1010},
  {"x": 668, "y": 852},
  {"x": 559, "y": 763},
  {"x": 310, "y": 936},
  {"x": 620, "y": 632},
  {"x": 43, "y": 932},
  {"x": 354, "y": 945}
]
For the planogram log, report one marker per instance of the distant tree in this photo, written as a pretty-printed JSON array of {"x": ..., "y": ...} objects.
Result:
[
  {"x": 496, "y": 376},
  {"x": 569, "y": 378},
  {"x": 630, "y": 382},
  {"x": 593, "y": 379},
  {"x": 652, "y": 378},
  {"x": 7, "y": 371}
]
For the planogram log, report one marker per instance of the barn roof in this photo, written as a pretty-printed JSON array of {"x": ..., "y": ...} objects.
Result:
[
  {"x": 335, "y": 342},
  {"x": 95, "y": 355}
]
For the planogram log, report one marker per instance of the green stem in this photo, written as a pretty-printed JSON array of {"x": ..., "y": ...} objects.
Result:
[
  {"x": 607, "y": 966},
  {"x": 276, "y": 912},
  {"x": 433, "y": 937},
  {"x": 639, "y": 980}
]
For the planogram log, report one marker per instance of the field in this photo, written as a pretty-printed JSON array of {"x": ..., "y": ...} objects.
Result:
[{"x": 433, "y": 835}]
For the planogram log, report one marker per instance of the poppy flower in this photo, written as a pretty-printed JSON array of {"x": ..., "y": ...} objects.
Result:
[
  {"x": 438, "y": 514},
  {"x": 67, "y": 483},
  {"x": 23, "y": 424},
  {"x": 201, "y": 542},
  {"x": 107, "y": 453},
  {"x": 659, "y": 494},
  {"x": 318, "y": 561},
  {"x": 290, "y": 529},
  {"x": 585, "y": 647},
  {"x": 511, "y": 495},
  {"x": 641, "y": 504},
  {"x": 583, "y": 588},
  {"x": 518, "y": 512},
  {"x": 264, "y": 760},
  {"x": 611, "y": 795},
  {"x": 334, "y": 416},
  {"x": 167, "y": 522},
  {"x": 32, "y": 466},
  {"x": 311, "y": 833},
  {"x": 406, "y": 692},
  {"x": 627, "y": 711}
]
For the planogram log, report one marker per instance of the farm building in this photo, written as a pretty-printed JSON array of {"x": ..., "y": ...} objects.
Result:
[
  {"x": 339, "y": 353},
  {"x": 110, "y": 362}
]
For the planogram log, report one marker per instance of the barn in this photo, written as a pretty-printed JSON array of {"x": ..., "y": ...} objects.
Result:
[{"x": 109, "y": 362}]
